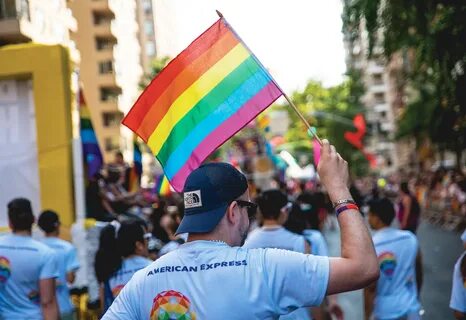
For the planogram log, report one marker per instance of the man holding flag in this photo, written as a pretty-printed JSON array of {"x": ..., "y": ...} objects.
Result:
[
  {"x": 205, "y": 95},
  {"x": 210, "y": 277}
]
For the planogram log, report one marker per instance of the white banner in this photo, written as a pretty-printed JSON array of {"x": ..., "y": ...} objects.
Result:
[{"x": 19, "y": 170}]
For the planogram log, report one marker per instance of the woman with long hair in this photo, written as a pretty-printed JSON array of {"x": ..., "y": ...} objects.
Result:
[{"x": 122, "y": 252}]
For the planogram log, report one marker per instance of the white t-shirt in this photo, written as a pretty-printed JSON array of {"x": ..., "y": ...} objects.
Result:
[
  {"x": 317, "y": 241},
  {"x": 23, "y": 262},
  {"x": 210, "y": 280},
  {"x": 67, "y": 260},
  {"x": 276, "y": 237},
  {"x": 458, "y": 290},
  {"x": 396, "y": 294}
]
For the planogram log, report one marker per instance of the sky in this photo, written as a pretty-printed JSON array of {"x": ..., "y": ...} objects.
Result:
[{"x": 296, "y": 40}]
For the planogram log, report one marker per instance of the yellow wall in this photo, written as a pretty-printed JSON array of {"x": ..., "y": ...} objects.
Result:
[{"x": 49, "y": 68}]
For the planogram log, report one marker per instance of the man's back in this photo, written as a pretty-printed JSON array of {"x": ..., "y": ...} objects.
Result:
[
  {"x": 67, "y": 262},
  {"x": 276, "y": 237},
  {"x": 396, "y": 288},
  {"x": 24, "y": 261},
  {"x": 210, "y": 280}
]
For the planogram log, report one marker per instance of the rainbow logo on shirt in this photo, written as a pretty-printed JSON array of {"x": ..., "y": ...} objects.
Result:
[
  {"x": 116, "y": 290},
  {"x": 5, "y": 269},
  {"x": 34, "y": 297},
  {"x": 171, "y": 305},
  {"x": 387, "y": 263}
]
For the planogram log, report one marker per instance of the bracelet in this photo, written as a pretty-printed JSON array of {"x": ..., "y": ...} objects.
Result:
[
  {"x": 345, "y": 207},
  {"x": 343, "y": 201}
]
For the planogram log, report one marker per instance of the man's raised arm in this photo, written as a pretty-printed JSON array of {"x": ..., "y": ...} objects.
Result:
[{"x": 357, "y": 267}]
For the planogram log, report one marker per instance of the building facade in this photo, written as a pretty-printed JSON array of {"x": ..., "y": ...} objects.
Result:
[
  {"x": 146, "y": 34},
  {"x": 383, "y": 100}
]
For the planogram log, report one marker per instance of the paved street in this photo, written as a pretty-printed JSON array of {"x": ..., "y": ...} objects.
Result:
[{"x": 440, "y": 249}]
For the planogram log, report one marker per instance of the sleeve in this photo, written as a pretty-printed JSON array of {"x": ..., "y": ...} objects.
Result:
[
  {"x": 458, "y": 292},
  {"x": 125, "y": 306},
  {"x": 72, "y": 262},
  {"x": 286, "y": 269},
  {"x": 49, "y": 267}
]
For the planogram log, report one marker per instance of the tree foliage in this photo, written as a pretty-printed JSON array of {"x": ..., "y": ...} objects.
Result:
[
  {"x": 331, "y": 111},
  {"x": 156, "y": 66},
  {"x": 431, "y": 34}
]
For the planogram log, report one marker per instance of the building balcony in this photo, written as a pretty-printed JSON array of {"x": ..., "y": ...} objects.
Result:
[
  {"x": 102, "y": 6},
  {"x": 108, "y": 81},
  {"x": 374, "y": 68},
  {"x": 383, "y": 107},
  {"x": 15, "y": 23},
  {"x": 378, "y": 88},
  {"x": 105, "y": 30}
]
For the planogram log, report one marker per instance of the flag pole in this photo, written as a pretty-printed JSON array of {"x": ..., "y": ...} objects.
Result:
[{"x": 310, "y": 130}]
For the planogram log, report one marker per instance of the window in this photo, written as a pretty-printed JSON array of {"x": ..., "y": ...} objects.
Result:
[
  {"x": 101, "y": 18},
  {"x": 111, "y": 144},
  {"x": 106, "y": 67},
  {"x": 379, "y": 97},
  {"x": 377, "y": 79},
  {"x": 109, "y": 94},
  {"x": 111, "y": 119},
  {"x": 148, "y": 27},
  {"x": 147, "y": 6},
  {"x": 102, "y": 43},
  {"x": 150, "y": 48}
]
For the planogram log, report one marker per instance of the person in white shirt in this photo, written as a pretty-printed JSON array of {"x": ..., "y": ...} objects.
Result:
[
  {"x": 396, "y": 293},
  {"x": 28, "y": 269},
  {"x": 67, "y": 260},
  {"x": 274, "y": 210},
  {"x": 123, "y": 251},
  {"x": 458, "y": 290},
  {"x": 211, "y": 277}
]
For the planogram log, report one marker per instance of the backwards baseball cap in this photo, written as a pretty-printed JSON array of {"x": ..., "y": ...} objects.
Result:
[
  {"x": 48, "y": 221},
  {"x": 208, "y": 191}
]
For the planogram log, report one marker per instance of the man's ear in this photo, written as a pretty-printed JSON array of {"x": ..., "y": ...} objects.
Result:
[{"x": 232, "y": 212}]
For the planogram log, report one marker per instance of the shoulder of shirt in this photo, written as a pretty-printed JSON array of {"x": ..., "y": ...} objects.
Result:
[{"x": 394, "y": 235}]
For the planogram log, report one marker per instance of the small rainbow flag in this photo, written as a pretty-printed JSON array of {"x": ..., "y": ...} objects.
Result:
[
  {"x": 91, "y": 152},
  {"x": 163, "y": 186},
  {"x": 136, "y": 170},
  {"x": 210, "y": 91}
]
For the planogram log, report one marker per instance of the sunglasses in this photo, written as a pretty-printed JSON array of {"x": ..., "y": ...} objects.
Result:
[{"x": 251, "y": 207}]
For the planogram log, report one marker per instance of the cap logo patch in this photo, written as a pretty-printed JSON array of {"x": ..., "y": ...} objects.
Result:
[{"x": 192, "y": 199}]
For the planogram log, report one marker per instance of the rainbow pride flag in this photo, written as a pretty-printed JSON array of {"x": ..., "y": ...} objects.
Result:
[
  {"x": 92, "y": 156},
  {"x": 136, "y": 169},
  {"x": 163, "y": 186},
  {"x": 210, "y": 91}
]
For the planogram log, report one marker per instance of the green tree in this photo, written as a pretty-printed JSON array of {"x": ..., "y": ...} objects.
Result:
[
  {"x": 430, "y": 35},
  {"x": 331, "y": 111}
]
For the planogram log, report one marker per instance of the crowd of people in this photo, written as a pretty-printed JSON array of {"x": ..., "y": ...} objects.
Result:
[{"x": 196, "y": 272}]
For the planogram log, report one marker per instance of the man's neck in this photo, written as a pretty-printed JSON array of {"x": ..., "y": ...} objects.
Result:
[
  {"x": 268, "y": 223},
  {"x": 209, "y": 237},
  {"x": 52, "y": 234},
  {"x": 26, "y": 233}
]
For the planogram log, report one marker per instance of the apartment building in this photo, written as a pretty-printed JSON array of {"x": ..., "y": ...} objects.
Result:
[
  {"x": 110, "y": 69},
  {"x": 382, "y": 100},
  {"x": 146, "y": 34}
]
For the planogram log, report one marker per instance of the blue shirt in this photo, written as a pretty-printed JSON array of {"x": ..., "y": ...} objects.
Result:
[
  {"x": 458, "y": 290},
  {"x": 275, "y": 237},
  {"x": 23, "y": 262},
  {"x": 210, "y": 280},
  {"x": 67, "y": 262},
  {"x": 128, "y": 268},
  {"x": 279, "y": 238},
  {"x": 317, "y": 241},
  {"x": 396, "y": 294}
]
